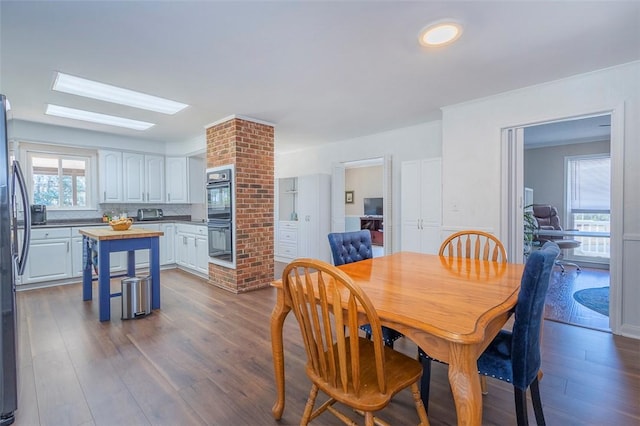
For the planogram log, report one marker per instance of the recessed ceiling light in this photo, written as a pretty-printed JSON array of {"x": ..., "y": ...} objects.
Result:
[
  {"x": 94, "y": 117},
  {"x": 440, "y": 34},
  {"x": 105, "y": 92}
]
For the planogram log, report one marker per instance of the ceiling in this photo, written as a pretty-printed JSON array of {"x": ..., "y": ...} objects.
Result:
[
  {"x": 318, "y": 71},
  {"x": 563, "y": 132}
]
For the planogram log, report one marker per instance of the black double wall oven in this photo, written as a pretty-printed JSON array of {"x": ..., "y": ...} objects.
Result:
[{"x": 220, "y": 214}]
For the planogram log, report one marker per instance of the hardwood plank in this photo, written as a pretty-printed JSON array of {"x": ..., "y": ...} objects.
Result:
[{"x": 205, "y": 358}]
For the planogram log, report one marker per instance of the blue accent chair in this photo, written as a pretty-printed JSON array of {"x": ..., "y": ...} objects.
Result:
[
  {"x": 348, "y": 247},
  {"x": 514, "y": 356}
]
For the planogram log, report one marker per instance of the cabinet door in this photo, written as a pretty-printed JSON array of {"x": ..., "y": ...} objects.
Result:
[
  {"x": 421, "y": 205},
  {"x": 314, "y": 216},
  {"x": 110, "y": 176},
  {"x": 176, "y": 178},
  {"x": 168, "y": 244},
  {"x": 48, "y": 260},
  {"x": 431, "y": 205},
  {"x": 154, "y": 178},
  {"x": 410, "y": 201},
  {"x": 133, "y": 177},
  {"x": 181, "y": 249},
  {"x": 191, "y": 252},
  {"x": 202, "y": 254}
]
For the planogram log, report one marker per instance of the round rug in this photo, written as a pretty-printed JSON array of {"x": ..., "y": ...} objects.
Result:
[{"x": 596, "y": 299}]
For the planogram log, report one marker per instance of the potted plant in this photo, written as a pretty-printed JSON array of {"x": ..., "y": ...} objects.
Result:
[{"x": 530, "y": 228}]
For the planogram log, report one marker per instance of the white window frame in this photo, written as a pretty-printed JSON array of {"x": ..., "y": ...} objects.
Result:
[
  {"x": 28, "y": 150},
  {"x": 567, "y": 217}
]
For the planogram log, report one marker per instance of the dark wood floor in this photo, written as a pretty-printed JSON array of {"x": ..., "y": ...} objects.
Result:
[
  {"x": 205, "y": 358},
  {"x": 560, "y": 304}
]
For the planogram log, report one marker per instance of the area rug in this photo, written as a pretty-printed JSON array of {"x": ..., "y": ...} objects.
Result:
[{"x": 596, "y": 299}]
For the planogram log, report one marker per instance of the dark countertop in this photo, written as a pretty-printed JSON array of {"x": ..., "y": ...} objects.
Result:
[{"x": 68, "y": 223}]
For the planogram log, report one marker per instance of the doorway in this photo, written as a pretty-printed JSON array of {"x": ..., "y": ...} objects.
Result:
[
  {"x": 543, "y": 158},
  {"x": 361, "y": 199}
]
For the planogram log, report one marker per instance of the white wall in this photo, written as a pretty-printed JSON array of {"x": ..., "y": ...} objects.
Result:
[
  {"x": 472, "y": 162},
  {"x": 420, "y": 141}
]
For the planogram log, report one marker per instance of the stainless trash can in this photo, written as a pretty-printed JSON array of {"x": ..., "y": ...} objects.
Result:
[{"x": 136, "y": 297}]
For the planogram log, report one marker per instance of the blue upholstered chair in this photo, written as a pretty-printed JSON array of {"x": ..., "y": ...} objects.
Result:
[
  {"x": 348, "y": 247},
  {"x": 514, "y": 356}
]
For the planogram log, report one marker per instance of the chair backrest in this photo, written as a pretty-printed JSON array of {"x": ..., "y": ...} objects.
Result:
[
  {"x": 347, "y": 247},
  {"x": 547, "y": 216},
  {"x": 325, "y": 302},
  {"x": 474, "y": 245},
  {"x": 525, "y": 341}
]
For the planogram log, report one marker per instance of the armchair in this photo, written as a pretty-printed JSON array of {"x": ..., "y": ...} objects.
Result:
[{"x": 547, "y": 217}]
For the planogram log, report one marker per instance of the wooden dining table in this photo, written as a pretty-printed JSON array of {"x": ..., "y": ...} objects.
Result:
[{"x": 451, "y": 307}]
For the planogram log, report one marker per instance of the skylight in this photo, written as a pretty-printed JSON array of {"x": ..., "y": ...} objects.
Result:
[
  {"x": 94, "y": 117},
  {"x": 105, "y": 92}
]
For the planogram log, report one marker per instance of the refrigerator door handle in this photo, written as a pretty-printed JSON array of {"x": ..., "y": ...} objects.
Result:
[{"x": 18, "y": 178}]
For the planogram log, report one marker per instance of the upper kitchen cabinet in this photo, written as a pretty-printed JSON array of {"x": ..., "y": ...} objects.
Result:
[
  {"x": 143, "y": 178},
  {"x": 177, "y": 181},
  {"x": 110, "y": 176}
]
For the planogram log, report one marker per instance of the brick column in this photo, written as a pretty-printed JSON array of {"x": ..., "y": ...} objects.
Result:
[{"x": 249, "y": 146}]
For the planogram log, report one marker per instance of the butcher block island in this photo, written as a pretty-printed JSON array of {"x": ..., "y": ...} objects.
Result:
[{"x": 105, "y": 241}]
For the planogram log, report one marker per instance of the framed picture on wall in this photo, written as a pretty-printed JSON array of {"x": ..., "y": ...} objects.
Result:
[{"x": 348, "y": 197}]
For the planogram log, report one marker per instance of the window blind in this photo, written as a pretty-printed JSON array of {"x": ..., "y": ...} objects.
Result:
[{"x": 589, "y": 184}]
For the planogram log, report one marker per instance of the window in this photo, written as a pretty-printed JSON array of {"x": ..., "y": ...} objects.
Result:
[
  {"x": 589, "y": 204},
  {"x": 60, "y": 180}
]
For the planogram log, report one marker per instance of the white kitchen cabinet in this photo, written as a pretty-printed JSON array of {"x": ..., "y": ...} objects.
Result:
[
  {"x": 49, "y": 255},
  {"x": 421, "y": 205},
  {"x": 304, "y": 217},
  {"x": 177, "y": 180},
  {"x": 154, "y": 178},
  {"x": 133, "y": 177},
  {"x": 287, "y": 240},
  {"x": 168, "y": 244},
  {"x": 192, "y": 248},
  {"x": 202, "y": 250},
  {"x": 143, "y": 178},
  {"x": 110, "y": 176}
]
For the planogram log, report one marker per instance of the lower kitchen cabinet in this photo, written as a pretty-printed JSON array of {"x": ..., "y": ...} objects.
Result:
[
  {"x": 49, "y": 256},
  {"x": 168, "y": 244},
  {"x": 55, "y": 254},
  {"x": 192, "y": 248}
]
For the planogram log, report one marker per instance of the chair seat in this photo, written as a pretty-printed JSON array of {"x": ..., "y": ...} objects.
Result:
[
  {"x": 567, "y": 244},
  {"x": 389, "y": 335},
  {"x": 400, "y": 372}
]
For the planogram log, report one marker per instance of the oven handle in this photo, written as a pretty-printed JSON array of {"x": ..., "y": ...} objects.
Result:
[{"x": 214, "y": 185}]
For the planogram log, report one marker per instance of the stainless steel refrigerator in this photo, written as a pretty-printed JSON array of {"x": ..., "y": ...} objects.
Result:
[{"x": 14, "y": 213}]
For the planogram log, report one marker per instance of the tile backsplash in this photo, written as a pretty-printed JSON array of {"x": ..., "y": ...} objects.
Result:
[{"x": 196, "y": 211}]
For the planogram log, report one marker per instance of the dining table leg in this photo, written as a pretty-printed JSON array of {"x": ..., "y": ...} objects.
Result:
[
  {"x": 465, "y": 384},
  {"x": 280, "y": 311}
]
